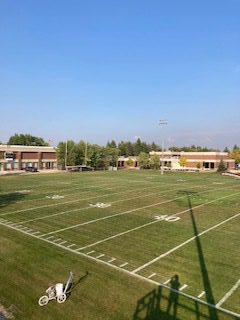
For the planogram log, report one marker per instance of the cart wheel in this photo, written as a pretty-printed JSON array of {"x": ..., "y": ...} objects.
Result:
[
  {"x": 62, "y": 298},
  {"x": 43, "y": 301}
]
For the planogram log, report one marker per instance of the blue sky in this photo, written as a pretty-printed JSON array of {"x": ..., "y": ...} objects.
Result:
[{"x": 102, "y": 70}]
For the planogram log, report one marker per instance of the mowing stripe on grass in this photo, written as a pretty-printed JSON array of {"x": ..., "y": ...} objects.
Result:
[
  {"x": 78, "y": 200},
  {"x": 136, "y": 209},
  {"x": 184, "y": 243},
  {"x": 129, "y": 273},
  {"x": 86, "y": 208},
  {"x": 228, "y": 294}
]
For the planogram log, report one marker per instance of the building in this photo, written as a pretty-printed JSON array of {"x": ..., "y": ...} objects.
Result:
[
  {"x": 194, "y": 160},
  {"x": 16, "y": 157},
  {"x": 128, "y": 162}
]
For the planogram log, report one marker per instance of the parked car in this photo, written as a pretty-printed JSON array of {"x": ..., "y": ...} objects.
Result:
[{"x": 31, "y": 169}]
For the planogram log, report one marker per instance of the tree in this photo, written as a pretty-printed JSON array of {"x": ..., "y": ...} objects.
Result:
[
  {"x": 183, "y": 162},
  {"x": 155, "y": 162},
  {"x": 235, "y": 154},
  {"x": 143, "y": 160},
  {"x": 26, "y": 140},
  {"x": 221, "y": 167}
]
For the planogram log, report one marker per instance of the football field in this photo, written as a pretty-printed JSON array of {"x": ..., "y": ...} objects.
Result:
[{"x": 156, "y": 246}]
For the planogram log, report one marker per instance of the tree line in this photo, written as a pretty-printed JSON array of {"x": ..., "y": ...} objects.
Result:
[{"x": 94, "y": 155}]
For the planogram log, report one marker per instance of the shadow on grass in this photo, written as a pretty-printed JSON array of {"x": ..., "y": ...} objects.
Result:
[
  {"x": 9, "y": 198},
  {"x": 80, "y": 279},
  {"x": 203, "y": 267},
  {"x": 163, "y": 304}
]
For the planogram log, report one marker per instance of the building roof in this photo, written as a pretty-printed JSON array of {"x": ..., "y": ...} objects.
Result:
[{"x": 12, "y": 148}]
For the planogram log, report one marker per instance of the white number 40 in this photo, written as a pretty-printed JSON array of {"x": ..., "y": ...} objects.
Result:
[{"x": 165, "y": 217}]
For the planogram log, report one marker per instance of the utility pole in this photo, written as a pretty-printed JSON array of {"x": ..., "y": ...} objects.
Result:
[
  {"x": 162, "y": 123},
  {"x": 66, "y": 156},
  {"x": 85, "y": 154}
]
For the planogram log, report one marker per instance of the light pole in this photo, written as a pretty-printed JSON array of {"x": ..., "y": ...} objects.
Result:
[
  {"x": 66, "y": 156},
  {"x": 162, "y": 123}
]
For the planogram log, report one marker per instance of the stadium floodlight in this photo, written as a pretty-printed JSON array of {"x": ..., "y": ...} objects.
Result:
[{"x": 162, "y": 123}]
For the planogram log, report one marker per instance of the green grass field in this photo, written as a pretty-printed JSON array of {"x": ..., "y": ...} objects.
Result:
[{"x": 132, "y": 231}]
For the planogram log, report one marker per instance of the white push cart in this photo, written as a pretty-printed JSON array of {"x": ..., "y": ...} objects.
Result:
[{"x": 58, "y": 292}]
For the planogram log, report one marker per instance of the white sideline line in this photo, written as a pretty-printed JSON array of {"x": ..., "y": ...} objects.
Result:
[
  {"x": 100, "y": 256},
  {"x": 201, "y": 294},
  {"x": 228, "y": 294},
  {"x": 111, "y": 260},
  {"x": 123, "y": 264},
  {"x": 129, "y": 273},
  {"x": 136, "y": 209},
  {"x": 183, "y": 244},
  {"x": 183, "y": 287},
  {"x": 147, "y": 224},
  {"x": 151, "y": 275}
]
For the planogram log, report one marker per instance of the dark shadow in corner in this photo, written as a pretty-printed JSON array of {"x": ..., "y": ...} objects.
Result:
[
  {"x": 205, "y": 278},
  {"x": 8, "y": 198},
  {"x": 157, "y": 305}
]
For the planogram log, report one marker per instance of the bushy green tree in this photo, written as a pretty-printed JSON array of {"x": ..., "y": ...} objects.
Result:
[
  {"x": 144, "y": 161},
  {"x": 26, "y": 140}
]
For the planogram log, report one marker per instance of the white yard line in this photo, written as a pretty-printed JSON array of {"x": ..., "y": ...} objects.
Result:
[
  {"x": 183, "y": 287},
  {"x": 61, "y": 243},
  {"x": 71, "y": 245},
  {"x": 133, "y": 210},
  {"x": 125, "y": 271},
  {"x": 184, "y": 243},
  {"x": 151, "y": 275},
  {"x": 111, "y": 260},
  {"x": 90, "y": 252},
  {"x": 201, "y": 294},
  {"x": 123, "y": 264},
  {"x": 229, "y": 293},
  {"x": 166, "y": 282},
  {"x": 100, "y": 256},
  {"x": 148, "y": 224}
]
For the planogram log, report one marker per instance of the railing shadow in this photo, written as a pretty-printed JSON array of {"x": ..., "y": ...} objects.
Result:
[
  {"x": 164, "y": 304},
  {"x": 203, "y": 267}
]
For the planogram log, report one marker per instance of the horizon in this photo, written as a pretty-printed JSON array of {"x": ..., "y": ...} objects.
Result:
[{"x": 110, "y": 71}]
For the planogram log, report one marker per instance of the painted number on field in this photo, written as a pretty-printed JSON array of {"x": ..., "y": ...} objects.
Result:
[
  {"x": 100, "y": 205},
  {"x": 165, "y": 217}
]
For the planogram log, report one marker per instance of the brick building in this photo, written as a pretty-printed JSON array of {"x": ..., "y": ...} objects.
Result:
[
  {"x": 15, "y": 157},
  {"x": 194, "y": 160}
]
